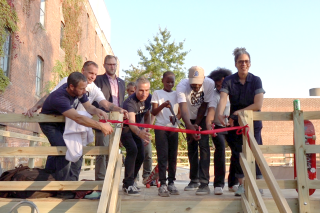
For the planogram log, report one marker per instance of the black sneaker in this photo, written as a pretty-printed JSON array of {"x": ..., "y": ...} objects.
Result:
[
  {"x": 131, "y": 191},
  {"x": 191, "y": 186}
]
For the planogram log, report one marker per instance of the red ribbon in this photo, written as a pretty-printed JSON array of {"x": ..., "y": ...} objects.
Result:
[{"x": 240, "y": 129}]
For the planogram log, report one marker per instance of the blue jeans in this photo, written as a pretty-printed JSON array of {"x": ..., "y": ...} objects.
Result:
[{"x": 64, "y": 170}]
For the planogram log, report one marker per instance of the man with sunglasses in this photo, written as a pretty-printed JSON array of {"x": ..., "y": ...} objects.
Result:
[{"x": 113, "y": 89}]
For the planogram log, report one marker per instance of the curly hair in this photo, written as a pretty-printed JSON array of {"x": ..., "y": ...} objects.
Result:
[{"x": 219, "y": 73}]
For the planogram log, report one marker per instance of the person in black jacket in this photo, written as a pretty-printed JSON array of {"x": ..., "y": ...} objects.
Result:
[{"x": 113, "y": 89}]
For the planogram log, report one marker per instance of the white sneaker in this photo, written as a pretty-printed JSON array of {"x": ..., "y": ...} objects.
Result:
[
  {"x": 218, "y": 191},
  {"x": 233, "y": 188}
]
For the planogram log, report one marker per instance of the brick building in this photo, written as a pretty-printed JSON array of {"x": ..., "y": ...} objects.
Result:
[
  {"x": 38, "y": 43},
  {"x": 281, "y": 132}
]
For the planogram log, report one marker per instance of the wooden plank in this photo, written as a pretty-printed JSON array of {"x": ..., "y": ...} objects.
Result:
[
  {"x": 45, "y": 151},
  {"x": 283, "y": 184},
  {"x": 23, "y": 136},
  {"x": 272, "y": 116},
  {"x": 311, "y": 115},
  {"x": 49, "y": 185},
  {"x": 112, "y": 207},
  {"x": 106, "y": 190},
  {"x": 249, "y": 158},
  {"x": 250, "y": 181},
  {"x": 168, "y": 206},
  {"x": 37, "y": 118},
  {"x": 54, "y": 206},
  {"x": 277, "y": 149},
  {"x": 289, "y": 184},
  {"x": 312, "y": 148},
  {"x": 245, "y": 205},
  {"x": 266, "y": 172},
  {"x": 301, "y": 161}
]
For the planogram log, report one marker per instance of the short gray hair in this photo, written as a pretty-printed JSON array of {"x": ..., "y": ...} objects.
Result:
[
  {"x": 142, "y": 80},
  {"x": 239, "y": 51}
]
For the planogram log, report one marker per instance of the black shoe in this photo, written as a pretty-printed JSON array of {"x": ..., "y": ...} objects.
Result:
[{"x": 131, "y": 191}]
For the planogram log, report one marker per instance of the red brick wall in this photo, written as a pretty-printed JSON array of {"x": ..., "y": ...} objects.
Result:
[
  {"x": 20, "y": 94},
  {"x": 281, "y": 132},
  {"x": 35, "y": 41}
]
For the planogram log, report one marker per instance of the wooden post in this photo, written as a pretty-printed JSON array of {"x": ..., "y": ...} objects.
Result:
[
  {"x": 31, "y": 160},
  {"x": 279, "y": 199},
  {"x": 301, "y": 162},
  {"x": 250, "y": 159},
  {"x": 106, "y": 190}
]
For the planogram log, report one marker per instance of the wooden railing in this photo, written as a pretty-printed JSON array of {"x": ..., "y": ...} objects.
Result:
[
  {"x": 255, "y": 153},
  {"x": 109, "y": 201}
]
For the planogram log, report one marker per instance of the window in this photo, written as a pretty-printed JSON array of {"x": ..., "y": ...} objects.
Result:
[
  {"x": 2, "y": 138},
  {"x": 5, "y": 59},
  {"x": 87, "y": 33},
  {"x": 95, "y": 44},
  {"x": 42, "y": 11},
  {"x": 102, "y": 53},
  {"x": 61, "y": 33},
  {"x": 39, "y": 75}
]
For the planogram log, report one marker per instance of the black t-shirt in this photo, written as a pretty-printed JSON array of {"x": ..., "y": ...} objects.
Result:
[
  {"x": 133, "y": 104},
  {"x": 60, "y": 101}
]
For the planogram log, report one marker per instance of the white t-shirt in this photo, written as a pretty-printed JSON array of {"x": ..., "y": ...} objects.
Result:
[
  {"x": 159, "y": 97},
  {"x": 216, "y": 99},
  {"x": 94, "y": 93},
  {"x": 195, "y": 99}
]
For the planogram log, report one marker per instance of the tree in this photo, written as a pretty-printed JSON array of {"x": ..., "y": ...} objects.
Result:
[{"x": 163, "y": 56}]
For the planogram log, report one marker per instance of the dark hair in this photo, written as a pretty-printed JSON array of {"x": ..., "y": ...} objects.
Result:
[
  {"x": 89, "y": 63},
  {"x": 131, "y": 84},
  {"x": 239, "y": 51},
  {"x": 75, "y": 77},
  {"x": 167, "y": 74},
  {"x": 109, "y": 57},
  {"x": 219, "y": 73}
]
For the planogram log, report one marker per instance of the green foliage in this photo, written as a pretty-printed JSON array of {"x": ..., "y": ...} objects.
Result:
[
  {"x": 8, "y": 21},
  {"x": 163, "y": 56},
  {"x": 72, "y": 11},
  {"x": 4, "y": 81}
]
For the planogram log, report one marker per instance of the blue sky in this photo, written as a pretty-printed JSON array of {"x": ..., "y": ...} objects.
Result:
[{"x": 282, "y": 37}]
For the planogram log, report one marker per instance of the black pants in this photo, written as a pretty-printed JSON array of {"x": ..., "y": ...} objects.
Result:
[
  {"x": 235, "y": 143},
  {"x": 199, "y": 170},
  {"x": 135, "y": 156},
  {"x": 167, "y": 151},
  {"x": 220, "y": 163},
  {"x": 64, "y": 170}
]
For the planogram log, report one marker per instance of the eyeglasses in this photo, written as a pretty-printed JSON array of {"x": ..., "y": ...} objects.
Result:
[
  {"x": 111, "y": 64},
  {"x": 243, "y": 61}
]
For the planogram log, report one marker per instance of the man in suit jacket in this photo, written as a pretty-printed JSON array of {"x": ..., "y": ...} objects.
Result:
[{"x": 113, "y": 89}]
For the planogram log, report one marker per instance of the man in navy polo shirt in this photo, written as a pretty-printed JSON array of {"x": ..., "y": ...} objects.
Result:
[{"x": 64, "y": 101}]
